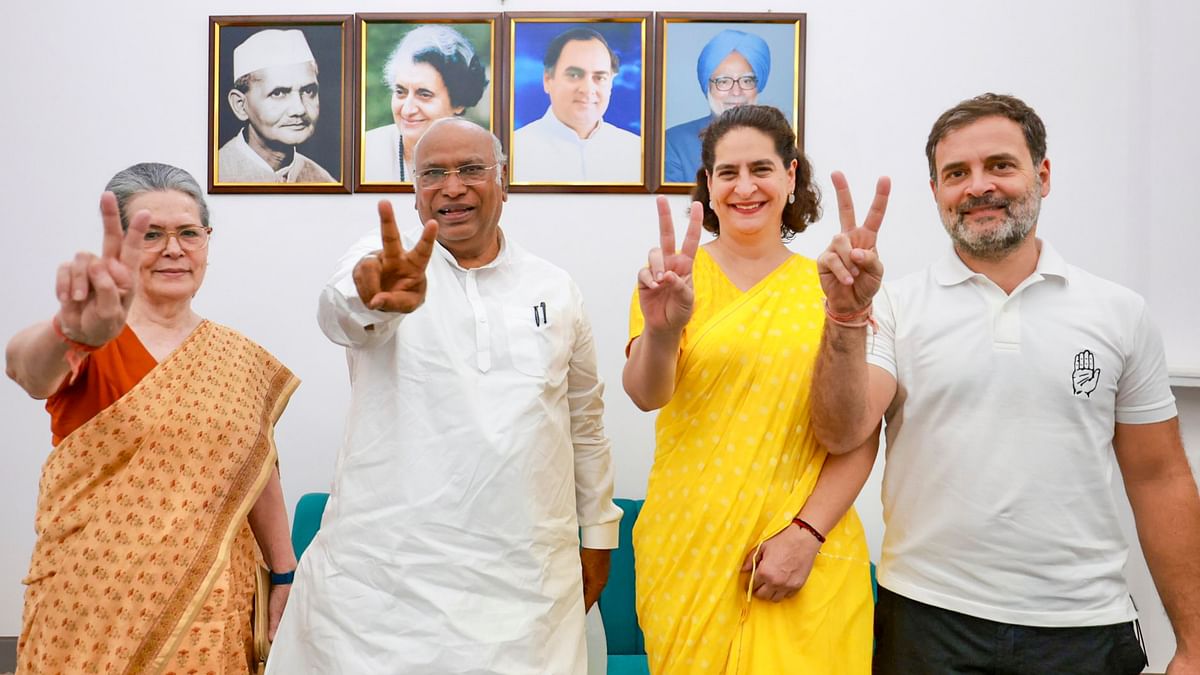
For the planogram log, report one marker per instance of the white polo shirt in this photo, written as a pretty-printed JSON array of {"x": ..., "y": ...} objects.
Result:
[{"x": 997, "y": 492}]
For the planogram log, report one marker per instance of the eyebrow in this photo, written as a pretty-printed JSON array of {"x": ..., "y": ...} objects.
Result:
[
  {"x": 953, "y": 166},
  {"x": 752, "y": 164}
]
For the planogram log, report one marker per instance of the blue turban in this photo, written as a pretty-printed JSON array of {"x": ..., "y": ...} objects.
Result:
[{"x": 752, "y": 47}]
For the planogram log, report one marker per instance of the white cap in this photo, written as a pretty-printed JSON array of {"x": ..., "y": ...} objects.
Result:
[{"x": 270, "y": 47}]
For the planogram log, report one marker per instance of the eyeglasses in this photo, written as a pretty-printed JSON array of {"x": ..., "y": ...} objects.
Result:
[
  {"x": 470, "y": 174},
  {"x": 189, "y": 238},
  {"x": 726, "y": 83}
]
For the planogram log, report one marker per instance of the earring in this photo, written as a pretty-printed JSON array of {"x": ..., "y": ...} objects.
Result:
[
  {"x": 792, "y": 198},
  {"x": 711, "y": 207}
]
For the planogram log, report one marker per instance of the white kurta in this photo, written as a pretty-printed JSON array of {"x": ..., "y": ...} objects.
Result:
[
  {"x": 548, "y": 151},
  {"x": 474, "y": 450}
]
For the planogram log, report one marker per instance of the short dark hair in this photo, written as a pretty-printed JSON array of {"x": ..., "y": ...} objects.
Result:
[
  {"x": 554, "y": 49},
  {"x": 770, "y": 121},
  {"x": 989, "y": 105}
]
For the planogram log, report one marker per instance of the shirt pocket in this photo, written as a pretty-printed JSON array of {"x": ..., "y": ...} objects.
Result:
[{"x": 529, "y": 339}]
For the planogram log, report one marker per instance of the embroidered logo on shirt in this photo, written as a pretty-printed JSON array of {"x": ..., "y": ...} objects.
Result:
[
  {"x": 540, "y": 319},
  {"x": 1086, "y": 375}
]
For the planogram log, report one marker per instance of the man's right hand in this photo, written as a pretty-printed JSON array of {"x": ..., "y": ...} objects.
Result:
[
  {"x": 850, "y": 269},
  {"x": 392, "y": 279},
  {"x": 665, "y": 283}
]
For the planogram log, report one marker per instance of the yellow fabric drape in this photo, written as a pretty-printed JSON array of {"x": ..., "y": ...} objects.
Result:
[
  {"x": 144, "y": 561},
  {"x": 735, "y": 461}
]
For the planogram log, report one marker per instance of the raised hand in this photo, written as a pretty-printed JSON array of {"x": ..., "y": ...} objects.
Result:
[
  {"x": 665, "y": 283},
  {"x": 392, "y": 279},
  {"x": 1086, "y": 375},
  {"x": 95, "y": 292},
  {"x": 850, "y": 269}
]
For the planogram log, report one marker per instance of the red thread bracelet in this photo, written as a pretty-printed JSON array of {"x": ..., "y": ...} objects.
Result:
[
  {"x": 857, "y": 319},
  {"x": 76, "y": 351},
  {"x": 811, "y": 530}
]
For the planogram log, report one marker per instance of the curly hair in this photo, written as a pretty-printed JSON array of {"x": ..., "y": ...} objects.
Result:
[{"x": 770, "y": 121}]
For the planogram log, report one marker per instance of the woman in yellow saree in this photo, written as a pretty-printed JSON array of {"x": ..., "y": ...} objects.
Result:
[
  {"x": 161, "y": 494},
  {"x": 750, "y": 557}
]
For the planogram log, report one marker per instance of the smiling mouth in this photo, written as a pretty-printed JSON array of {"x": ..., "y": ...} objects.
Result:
[
  {"x": 455, "y": 212},
  {"x": 747, "y": 208}
]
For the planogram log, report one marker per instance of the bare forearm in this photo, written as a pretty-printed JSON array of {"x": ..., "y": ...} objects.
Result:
[
  {"x": 649, "y": 375},
  {"x": 36, "y": 360},
  {"x": 842, "y": 478},
  {"x": 268, "y": 520},
  {"x": 839, "y": 391},
  {"x": 1167, "y": 514}
]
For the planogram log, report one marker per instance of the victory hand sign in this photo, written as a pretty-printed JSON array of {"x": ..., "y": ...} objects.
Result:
[
  {"x": 392, "y": 279},
  {"x": 850, "y": 269},
  {"x": 95, "y": 292},
  {"x": 665, "y": 283}
]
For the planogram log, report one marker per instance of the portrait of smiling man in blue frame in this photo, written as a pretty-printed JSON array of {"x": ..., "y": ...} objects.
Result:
[
  {"x": 277, "y": 106},
  {"x": 712, "y": 66},
  {"x": 577, "y": 97}
]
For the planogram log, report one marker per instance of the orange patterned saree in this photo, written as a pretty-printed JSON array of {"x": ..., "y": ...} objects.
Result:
[{"x": 144, "y": 561}]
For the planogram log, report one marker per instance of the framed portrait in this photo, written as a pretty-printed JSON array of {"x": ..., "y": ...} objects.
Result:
[
  {"x": 414, "y": 69},
  {"x": 576, "y": 90},
  {"x": 278, "y": 108},
  {"x": 713, "y": 62}
]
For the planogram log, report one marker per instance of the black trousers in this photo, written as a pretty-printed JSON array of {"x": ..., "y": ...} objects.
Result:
[{"x": 912, "y": 638}]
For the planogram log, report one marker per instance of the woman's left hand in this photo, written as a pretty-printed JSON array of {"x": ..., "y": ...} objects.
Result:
[
  {"x": 784, "y": 563},
  {"x": 276, "y": 601}
]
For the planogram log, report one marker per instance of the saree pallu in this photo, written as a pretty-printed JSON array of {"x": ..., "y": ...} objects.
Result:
[
  {"x": 144, "y": 561},
  {"x": 735, "y": 461}
]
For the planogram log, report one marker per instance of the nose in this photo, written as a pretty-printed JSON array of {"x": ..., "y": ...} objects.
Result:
[
  {"x": 295, "y": 106},
  {"x": 454, "y": 186},
  {"x": 408, "y": 107},
  {"x": 172, "y": 247},
  {"x": 980, "y": 184},
  {"x": 745, "y": 183}
]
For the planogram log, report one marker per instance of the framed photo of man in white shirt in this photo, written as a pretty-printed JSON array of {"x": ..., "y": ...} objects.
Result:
[
  {"x": 279, "y": 101},
  {"x": 577, "y": 101}
]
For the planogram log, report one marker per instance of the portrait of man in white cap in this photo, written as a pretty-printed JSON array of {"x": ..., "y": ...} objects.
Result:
[{"x": 276, "y": 96}]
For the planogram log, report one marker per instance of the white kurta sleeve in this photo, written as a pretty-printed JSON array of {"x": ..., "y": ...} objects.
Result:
[
  {"x": 343, "y": 317},
  {"x": 599, "y": 517}
]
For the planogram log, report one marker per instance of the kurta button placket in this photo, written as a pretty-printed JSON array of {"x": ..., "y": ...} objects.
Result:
[{"x": 483, "y": 332}]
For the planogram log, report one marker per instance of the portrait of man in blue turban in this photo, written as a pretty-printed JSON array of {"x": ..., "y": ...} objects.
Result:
[{"x": 733, "y": 67}]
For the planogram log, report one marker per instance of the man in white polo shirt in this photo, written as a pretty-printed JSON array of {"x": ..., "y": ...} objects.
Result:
[{"x": 1008, "y": 380}]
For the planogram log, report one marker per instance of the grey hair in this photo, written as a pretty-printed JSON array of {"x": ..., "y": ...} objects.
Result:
[
  {"x": 449, "y": 53},
  {"x": 497, "y": 148},
  {"x": 154, "y": 177}
]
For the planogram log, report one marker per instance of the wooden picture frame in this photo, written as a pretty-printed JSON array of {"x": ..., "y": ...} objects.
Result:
[
  {"x": 612, "y": 107},
  {"x": 442, "y": 65},
  {"x": 682, "y": 41},
  {"x": 280, "y": 122}
]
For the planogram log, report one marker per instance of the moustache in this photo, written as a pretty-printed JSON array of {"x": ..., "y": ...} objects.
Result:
[{"x": 982, "y": 203}]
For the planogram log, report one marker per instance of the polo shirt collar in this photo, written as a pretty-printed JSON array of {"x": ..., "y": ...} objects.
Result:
[{"x": 951, "y": 270}]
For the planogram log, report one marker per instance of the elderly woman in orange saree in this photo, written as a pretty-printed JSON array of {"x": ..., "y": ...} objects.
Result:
[
  {"x": 750, "y": 557},
  {"x": 161, "y": 495}
]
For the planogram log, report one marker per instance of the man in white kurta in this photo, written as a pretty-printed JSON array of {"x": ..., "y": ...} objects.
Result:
[{"x": 475, "y": 456}]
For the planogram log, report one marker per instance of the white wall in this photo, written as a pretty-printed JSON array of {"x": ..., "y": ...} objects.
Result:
[{"x": 91, "y": 88}]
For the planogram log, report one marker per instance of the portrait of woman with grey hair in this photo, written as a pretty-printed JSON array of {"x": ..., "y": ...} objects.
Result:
[{"x": 434, "y": 71}]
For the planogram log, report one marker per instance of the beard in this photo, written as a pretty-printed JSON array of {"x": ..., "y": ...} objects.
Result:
[{"x": 995, "y": 242}]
